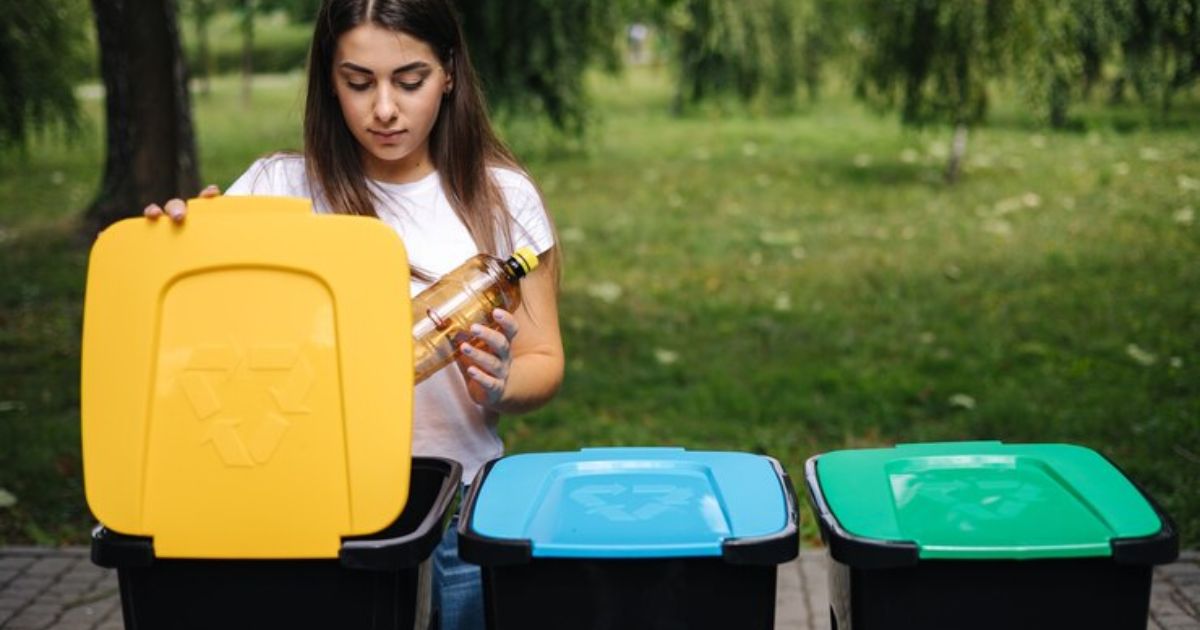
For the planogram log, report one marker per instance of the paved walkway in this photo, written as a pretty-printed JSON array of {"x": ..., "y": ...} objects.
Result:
[{"x": 60, "y": 589}]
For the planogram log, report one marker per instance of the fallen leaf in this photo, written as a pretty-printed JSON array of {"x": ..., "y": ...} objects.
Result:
[
  {"x": 1142, "y": 357},
  {"x": 962, "y": 401}
]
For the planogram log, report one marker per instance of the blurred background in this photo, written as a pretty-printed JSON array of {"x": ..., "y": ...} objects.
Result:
[{"x": 790, "y": 226}]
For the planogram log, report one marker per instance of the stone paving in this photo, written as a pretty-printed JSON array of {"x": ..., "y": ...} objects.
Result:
[{"x": 61, "y": 589}]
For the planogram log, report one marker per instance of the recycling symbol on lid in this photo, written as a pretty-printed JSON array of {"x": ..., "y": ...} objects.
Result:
[
  {"x": 246, "y": 442},
  {"x": 981, "y": 498},
  {"x": 644, "y": 502}
]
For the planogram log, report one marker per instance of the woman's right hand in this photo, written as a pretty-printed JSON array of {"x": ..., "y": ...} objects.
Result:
[{"x": 176, "y": 208}]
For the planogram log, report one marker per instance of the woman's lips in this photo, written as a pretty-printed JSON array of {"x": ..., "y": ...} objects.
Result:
[{"x": 387, "y": 137}]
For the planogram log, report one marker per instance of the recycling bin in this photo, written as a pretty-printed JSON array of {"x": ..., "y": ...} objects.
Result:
[
  {"x": 630, "y": 538},
  {"x": 986, "y": 535},
  {"x": 246, "y": 418},
  {"x": 379, "y": 581}
]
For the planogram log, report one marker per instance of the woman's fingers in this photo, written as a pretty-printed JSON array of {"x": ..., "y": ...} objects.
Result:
[
  {"x": 492, "y": 387},
  {"x": 175, "y": 209},
  {"x": 496, "y": 341},
  {"x": 507, "y": 321},
  {"x": 486, "y": 365},
  {"x": 489, "y": 362}
]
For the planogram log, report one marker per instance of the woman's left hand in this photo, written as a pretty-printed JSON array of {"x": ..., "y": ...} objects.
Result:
[{"x": 486, "y": 370}]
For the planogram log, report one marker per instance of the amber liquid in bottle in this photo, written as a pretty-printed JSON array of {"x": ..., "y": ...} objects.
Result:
[{"x": 444, "y": 313}]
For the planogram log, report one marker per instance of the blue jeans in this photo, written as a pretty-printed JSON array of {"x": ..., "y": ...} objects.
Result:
[{"x": 457, "y": 585}]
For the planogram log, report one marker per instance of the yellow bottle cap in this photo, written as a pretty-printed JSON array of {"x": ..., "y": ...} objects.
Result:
[{"x": 527, "y": 258}]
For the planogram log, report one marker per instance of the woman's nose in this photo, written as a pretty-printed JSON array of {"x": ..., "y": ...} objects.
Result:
[{"x": 385, "y": 104}]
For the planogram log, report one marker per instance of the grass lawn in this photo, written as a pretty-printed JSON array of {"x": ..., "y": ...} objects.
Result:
[{"x": 782, "y": 284}]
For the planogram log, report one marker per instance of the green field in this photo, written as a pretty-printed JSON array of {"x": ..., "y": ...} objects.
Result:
[{"x": 781, "y": 284}]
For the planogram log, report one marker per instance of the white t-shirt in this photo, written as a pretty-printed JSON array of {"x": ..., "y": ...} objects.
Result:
[{"x": 446, "y": 422}]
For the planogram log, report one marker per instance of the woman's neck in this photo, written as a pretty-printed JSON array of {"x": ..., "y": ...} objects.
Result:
[{"x": 411, "y": 168}]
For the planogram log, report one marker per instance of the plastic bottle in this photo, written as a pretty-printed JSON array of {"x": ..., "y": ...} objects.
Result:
[{"x": 444, "y": 313}]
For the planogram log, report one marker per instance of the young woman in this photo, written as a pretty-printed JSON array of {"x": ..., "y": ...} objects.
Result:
[{"x": 395, "y": 127}]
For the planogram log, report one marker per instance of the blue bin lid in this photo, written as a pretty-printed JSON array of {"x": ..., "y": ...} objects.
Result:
[{"x": 631, "y": 502}]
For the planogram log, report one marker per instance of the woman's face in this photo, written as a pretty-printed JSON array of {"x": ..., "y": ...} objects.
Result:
[{"x": 390, "y": 86}]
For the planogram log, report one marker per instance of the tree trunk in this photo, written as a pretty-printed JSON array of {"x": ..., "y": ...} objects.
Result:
[
  {"x": 1060, "y": 101},
  {"x": 958, "y": 150},
  {"x": 247, "y": 49},
  {"x": 151, "y": 152}
]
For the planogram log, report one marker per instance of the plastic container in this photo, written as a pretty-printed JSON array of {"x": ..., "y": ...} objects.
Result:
[
  {"x": 986, "y": 535},
  {"x": 377, "y": 582},
  {"x": 445, "y": 311},
  {"x": 630, "y": 538},
  {"x": 246, "y": 408}
]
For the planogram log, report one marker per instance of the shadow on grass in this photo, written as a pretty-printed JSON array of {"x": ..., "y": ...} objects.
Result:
[
  {"x": 880, "y": 172},
  {"x": 1121, "y": 118}
]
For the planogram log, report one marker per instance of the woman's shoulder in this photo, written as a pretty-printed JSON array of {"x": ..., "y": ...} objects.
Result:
[
  {"x": 275, "y": 174},
  {"x": 513, "y": 181}
]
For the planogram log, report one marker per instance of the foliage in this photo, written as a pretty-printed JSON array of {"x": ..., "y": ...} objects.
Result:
[
  {"x": 744, "y": 48},
  {"x": 825, "y": 25},
  {"x": 933, "y": 60},
  {"x": 1161, "y": 45},
  {"x": 297, "y": 11},
  {"x": 532, "y": 54},
  {"x": 1155, "y": 44},
  {"x": 279, "y": 46},
  {"x": 1067, "y": 48},
  {"x": 43, "y": 53}
]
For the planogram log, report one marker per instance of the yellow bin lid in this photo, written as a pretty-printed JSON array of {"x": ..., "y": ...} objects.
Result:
[{"x": 247, "y": 379}]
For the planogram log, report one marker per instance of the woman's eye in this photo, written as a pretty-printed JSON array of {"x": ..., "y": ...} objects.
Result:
[
  {"x": 357, "y": 87},
  {"x": 410, "y": 86}
]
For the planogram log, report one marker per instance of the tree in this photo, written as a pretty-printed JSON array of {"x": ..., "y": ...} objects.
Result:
[
  {"x": 1161, "y": 46},
  {"x": 247, "y": 8},
  {"x": 202, "y": 12},
  {"x": 298, "y": 11},
  {"x": 1155, "y": 44},
  {"x": 41, "y": 57},
  {"x": 744, "y": 48},
  {"x": 532, "y": 54},
  {"x": 933, "y": 59},
  {"x": 151, "y": 154},
  {"x": 1065, "y": 56},
  {"x": 824, "y": 26}
]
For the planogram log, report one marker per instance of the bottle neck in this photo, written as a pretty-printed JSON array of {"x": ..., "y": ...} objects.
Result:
[{"x": 513, "y": 270}]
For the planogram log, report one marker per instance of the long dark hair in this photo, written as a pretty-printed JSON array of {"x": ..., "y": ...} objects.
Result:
[{"x": 462, "y": 144}]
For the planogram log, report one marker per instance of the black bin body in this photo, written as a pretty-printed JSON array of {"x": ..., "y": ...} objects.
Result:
[
  {"x": 991, "y": 595},
  {"x": 378, "y": 582},
  {"x": 664, "y": 594}
]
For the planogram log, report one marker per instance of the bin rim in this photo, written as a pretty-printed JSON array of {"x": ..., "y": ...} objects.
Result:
[
  {"x": 775, "y": 548},
  {"x": 115, "y": 550},
  {"x": 386, "y": 554},
  {"x": 1161, "y": 547},
  {"x": 848, "y": 548}
]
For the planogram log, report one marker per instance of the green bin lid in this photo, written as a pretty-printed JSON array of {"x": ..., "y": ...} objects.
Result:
[{"x": 985, "y": 500}]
